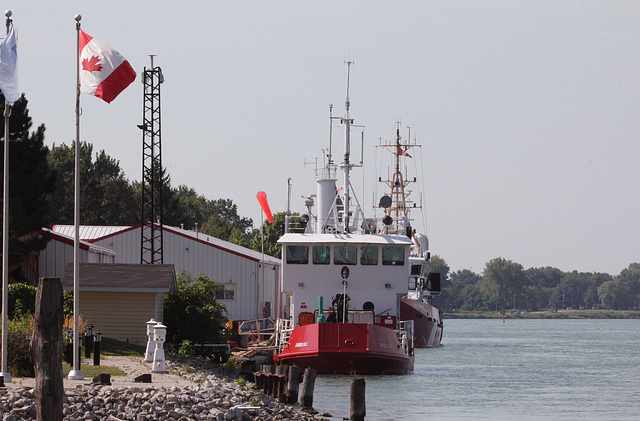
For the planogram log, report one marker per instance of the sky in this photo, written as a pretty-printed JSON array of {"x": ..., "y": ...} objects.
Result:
[{"x": 527, "y": 111}]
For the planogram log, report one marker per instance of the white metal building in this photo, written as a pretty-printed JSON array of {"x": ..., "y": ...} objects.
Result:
[
  {"x": 59, "y": 252},
  {"x": 248, "y": 282}
]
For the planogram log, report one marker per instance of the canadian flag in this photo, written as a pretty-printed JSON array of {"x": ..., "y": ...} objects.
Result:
[
  {"x": 402, "y": 152},
  {"x": 103, "y": 71}
]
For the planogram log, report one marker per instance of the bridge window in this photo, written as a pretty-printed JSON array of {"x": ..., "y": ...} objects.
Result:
[
  {"x": 298, "y": 255},
  {"x": 345, "y": 255},
  {"x": 416, "y": 270},
  {"x": 369, "y": 255},
  {"x": 321, "y": 255},
  {"x": 392, "y": 256}
]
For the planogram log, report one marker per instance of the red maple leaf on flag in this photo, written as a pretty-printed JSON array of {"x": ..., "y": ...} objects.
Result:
[{"x": 92, "y": 65}]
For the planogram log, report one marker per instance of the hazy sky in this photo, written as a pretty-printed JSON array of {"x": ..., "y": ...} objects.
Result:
[{"x": 528, "y": 111}]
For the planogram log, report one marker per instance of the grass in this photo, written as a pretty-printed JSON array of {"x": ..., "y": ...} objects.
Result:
[
  {"x": 108, "y": 347},
  {"x": 118, "y": 348},
  {"x": 90, "y": 370}
]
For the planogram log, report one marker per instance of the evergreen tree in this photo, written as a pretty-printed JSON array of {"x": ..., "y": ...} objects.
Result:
[
  {"x": 106, "y": 196},
  {"x": 31, "y": 181}
]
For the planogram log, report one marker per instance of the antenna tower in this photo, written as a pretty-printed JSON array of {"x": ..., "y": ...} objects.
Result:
[{"x": 152, "y": 170}]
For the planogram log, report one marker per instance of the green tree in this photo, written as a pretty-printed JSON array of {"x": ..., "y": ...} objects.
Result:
[
  {"x": 31, "y": 181},
  {"x": 462, "y": 291},
  {"x": 623, "y": 291},
  {"x": 272, "y": 233},
  {"x": 544, "y": 279},
  {"x": 192, "y": 312},
  {"x": 504, "y": 282},
  {"x": 106, "y": 196}
]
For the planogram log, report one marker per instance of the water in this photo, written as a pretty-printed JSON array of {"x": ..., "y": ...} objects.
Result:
[{"x": 520, "y": 369}]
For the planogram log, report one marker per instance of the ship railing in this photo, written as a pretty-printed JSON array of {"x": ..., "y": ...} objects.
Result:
[
  {"x": 405, "y": 335},
  {"x": 326, "y": 173},
  {"x": 283, "y": 333},
  {"x": 257, "y": 330},
  {"x": 296, "y": 224}
]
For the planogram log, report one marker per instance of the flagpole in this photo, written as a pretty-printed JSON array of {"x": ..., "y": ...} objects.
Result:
[
  {"x": 5, "y": 233},
  {"x": 76, "y": 373}
]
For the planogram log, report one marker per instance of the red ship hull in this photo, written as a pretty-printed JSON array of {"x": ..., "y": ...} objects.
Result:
[
  {"x": 346, "y": 348},
  {"x": 427, "y": 325}
]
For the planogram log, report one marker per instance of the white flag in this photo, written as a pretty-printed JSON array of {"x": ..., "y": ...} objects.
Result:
[{"x": 9, "y": 67}]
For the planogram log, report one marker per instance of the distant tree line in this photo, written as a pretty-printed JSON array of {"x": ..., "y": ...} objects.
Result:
[{"x": 504, "y": 284}]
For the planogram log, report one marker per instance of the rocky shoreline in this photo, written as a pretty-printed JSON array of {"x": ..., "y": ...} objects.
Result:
[{"x": 214, "y": 394}]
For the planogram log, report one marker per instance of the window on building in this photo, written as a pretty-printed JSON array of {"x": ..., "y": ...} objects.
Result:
[
  {"x": 321, "y": 255},
  {"x": 369, "y": 255},
  {"x": 345, "y": 255},
  {"x": 225, "y": 292},
  {"x": 392, "y": 256},
  {"x": 298, "y": 255}
]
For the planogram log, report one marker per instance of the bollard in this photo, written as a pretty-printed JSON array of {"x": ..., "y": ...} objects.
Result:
[
  {"x": 293, "y": 384},
  {"x": 159, "y": 336},
  {"x": 308, "y": 383},
  {"x": 79, "y": 345},
  {"x": 151, "y": 346},
  {"x": 88, "y": 339},
  {"x": 358, "y": 405},
  {"x": 97, "y": 338},
  {"x": 68, "y": 352}
]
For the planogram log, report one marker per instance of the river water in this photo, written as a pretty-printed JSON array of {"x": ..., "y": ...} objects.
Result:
[{"x": 575, "y": 369}]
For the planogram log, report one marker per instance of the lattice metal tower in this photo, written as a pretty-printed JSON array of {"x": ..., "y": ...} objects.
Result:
[{"x": 152, "y": 171}]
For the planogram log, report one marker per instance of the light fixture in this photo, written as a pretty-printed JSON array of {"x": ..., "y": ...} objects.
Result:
[
  {"x": 387, "y": 286},
  {"x": 300, "y": 284}
]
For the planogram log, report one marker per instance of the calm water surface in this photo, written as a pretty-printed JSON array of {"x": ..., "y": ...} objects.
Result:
[{"x": 520, "y": 369}]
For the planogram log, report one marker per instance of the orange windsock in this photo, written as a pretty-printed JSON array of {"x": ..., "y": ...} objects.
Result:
[{"x": 262, "y": 199}]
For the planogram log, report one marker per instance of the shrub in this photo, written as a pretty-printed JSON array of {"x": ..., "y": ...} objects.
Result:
[
  {"x": 186, "y": 349},
  {"x": 18, "y": 356},
  {"x": 192, "y": 312}
]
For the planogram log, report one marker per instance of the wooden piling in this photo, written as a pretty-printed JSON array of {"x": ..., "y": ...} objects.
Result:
[
  {"x": 358, "y": 405},
  {"x": 46, "y": 350},
  {"x": 308, "y": 383},
  {"x": 293, "y": 384}
]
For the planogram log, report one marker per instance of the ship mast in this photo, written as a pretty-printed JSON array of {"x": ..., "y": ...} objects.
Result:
[
  {"x": 334, "y": 214},
  {"x": 346, "y": 165},
  {"x": 400, "y": 201}
]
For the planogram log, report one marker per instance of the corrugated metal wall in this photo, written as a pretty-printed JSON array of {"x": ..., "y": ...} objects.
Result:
[
  {"x": 197, "y": 257},
  {"x": 57, "y": 254}
]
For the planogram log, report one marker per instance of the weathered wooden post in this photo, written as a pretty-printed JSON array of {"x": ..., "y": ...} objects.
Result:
[
  {"x": 308, "y": 383},
  {"x": 46, "y": 350},
  {"x": 358, "y": 405},
  {"x": 293, "y": 384}
]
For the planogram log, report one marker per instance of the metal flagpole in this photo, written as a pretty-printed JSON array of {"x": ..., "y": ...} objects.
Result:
[
  {"x": 76, "y": 373},
  {"x": 5, "y": 233}
]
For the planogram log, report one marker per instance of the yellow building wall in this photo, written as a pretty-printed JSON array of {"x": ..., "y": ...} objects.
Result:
[{"x": 119, "y": 315}]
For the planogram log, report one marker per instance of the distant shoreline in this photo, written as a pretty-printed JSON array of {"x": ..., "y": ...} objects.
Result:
[{"x": 559, "y": 314}]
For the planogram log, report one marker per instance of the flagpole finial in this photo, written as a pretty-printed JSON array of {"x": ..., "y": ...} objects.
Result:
[
  {"x": 78, "y": 18},
  {"x": 8, "y": 13}
]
